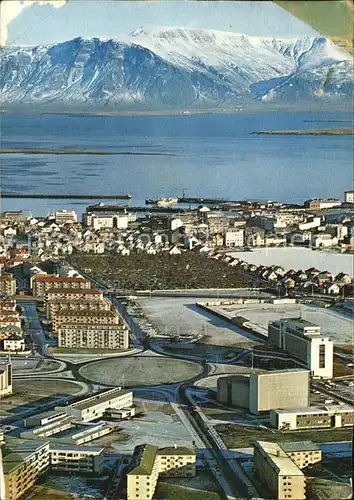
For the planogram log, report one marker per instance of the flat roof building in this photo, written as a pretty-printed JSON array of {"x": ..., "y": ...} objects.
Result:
[
  {"x": 93, "y": 336},
  {"x": 304, "y": 342},
  {"x": 313, "y": 417},
  {"x": 41, "y": 284},
  {"x": 94, "y": 407},
  {"x": 263, "y": 391},
  {"x": 7, "y": 285},
  {"x": 87, "y": 317}
]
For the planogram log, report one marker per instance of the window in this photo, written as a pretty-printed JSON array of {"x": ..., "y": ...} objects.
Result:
[{"x": 322, "y": 356}]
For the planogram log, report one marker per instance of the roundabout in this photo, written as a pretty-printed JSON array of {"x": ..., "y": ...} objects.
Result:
[{"x": 140, "y": 371}]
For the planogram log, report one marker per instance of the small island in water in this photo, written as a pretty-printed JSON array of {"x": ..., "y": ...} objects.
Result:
[{"x": 325, "y": 131}]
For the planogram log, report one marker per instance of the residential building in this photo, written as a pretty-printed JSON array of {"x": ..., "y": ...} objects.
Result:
[
  {"x": 339, "y": 231},
  {"x": 85, "y": 295},
  {"x": 93, "y": 336},
  {"x": 263, "y": 391},
  {"x": 304, "y": 342},
  {"x": 233, "y": 237},
  {"x": 9, "y": 319},
  {"x": 149, "y": 462},
  {"x": 24, "y": 461},
  {"x": 107, "y": 219},
  {"x": 302, "y": 453},
  {"x": 321, "y": 204},
  {"x": 41, "y": 284},
  {"x": 65, "y": 217},
  {"x": 7, "y": 285},
  {"x": 324, "y": 240},
  {"x": 349, "y": 196},
  {"x": 87, "y": 317},
  {"x": 44, "y": 418},
  {"x": 76, "y": 302},
  {"x": 14, "y": 343},
  {"x": 281, "y": 477},
  {"x": 313, "y": 417},
  {"x": 76, "y": 459},
  {"x": 5, "y": 379},
  {"x": 93, "y": 407},
  {"x": 310, "y": 223}
]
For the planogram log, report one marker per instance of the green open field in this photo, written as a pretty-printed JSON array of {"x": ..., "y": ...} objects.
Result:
[
  {"x": 235, "y": 436},
  {"x": 167, "y": 491},
  {"x": 140, "y": 371},
  {"x": 27, "y": 393}
]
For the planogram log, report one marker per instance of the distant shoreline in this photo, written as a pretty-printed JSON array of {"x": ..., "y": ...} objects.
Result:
[
  {"x": 78, "y": 152},
  {"x": 326, "y": 131}
]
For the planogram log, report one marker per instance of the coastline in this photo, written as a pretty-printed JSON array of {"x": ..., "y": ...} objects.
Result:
[{"x": 326, "y": 131}]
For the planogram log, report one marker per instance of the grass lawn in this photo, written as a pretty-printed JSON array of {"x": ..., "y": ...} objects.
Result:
[
  {"x": 235, "y": 436},
  {"x": 29, "y": 392},
  {"x": 44, "y": 493},
  {"x": 166, "y": 491}
]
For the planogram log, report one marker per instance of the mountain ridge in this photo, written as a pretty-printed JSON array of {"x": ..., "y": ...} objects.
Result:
[{"x": 176, "y": 68}]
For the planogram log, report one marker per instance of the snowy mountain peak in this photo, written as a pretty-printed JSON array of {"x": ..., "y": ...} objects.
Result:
[{"x": 176, "y": 68}]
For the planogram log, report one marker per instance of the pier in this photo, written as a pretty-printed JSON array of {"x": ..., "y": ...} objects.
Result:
[
  {"x": 68, "y": 196},
  {"x": 196, "y": 201},
  {"x": 126, "y": 208}
]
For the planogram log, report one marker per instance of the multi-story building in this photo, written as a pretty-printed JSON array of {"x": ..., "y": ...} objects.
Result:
[
  {"x": 65, "y": 216},
  {"x": 322, "y": 204},
  {"x": 234, "y": 237},
  {"x": 349, "y": 196},
  {"x": 10, "y": 318},
  {"x": 41, "y": 284},
  {"x": 304, "y": 342},
  {"x": 14, "y": 343},
  {"x": 149, "y": 462},
  {"x": 76, "y": 460},
  {"x": 76, "y": 302},
  {"x": 277, "y": 472},
  {"x": 302, "y": 453},
  {"x": 106, "y": 219},
  {"x": 313, "y": 417},
  {"x": 5, "y": 379},
  {"x": 263, "y": 391},
  {"x": 87, "y": 317},
  {"x": 7, "y": 285},
  {"x": 94, "y": 407},
  {"x": 94, "y": 336},
  {"x": 23, "y": 462}
]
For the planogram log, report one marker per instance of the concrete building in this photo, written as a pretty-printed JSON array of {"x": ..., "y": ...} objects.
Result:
[
  {"x": 149, "y": 462},
  {"x": 41, "y": 284},
  {"x": 87, "y": 317},
  {"x": 263, "y": 391},
  {"x": 313, "y": 417},
  {"x": 277, "y": 472},
  {"x": 302, "y": 453},
  {"x": 94, "y": 336},
  {"x": 303, "y": 341},
  {"x": 349, "y": 196},
  {"x": 76, "y": 460},
  {"x": 234, "y": 237},
  {"x": 322, "y": 204},
  {"x": 107, "y": 219},
  {"x": 24, "y": 461},
  {"x": 65, "y": 217},
  {"x": 10, "y": 319},
  {"x": 94, "y": 407},
  {"x": 76, "y": 302},
  {"x": 14, "y": 343},
  {"x": 7, "y": 285},
  {"x": 44, "y": 418},
  {"x": 5, "y": 379}
]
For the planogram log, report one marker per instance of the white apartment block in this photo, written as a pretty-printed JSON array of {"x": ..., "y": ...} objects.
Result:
[
  {"x": 76, "y": 459},
  {"x": 5, "y": 379},
  {"x": 93, "y": 336},
  {"x": 65, "y": 216},
  {"x": 303, "y": 340},
  {"x": 95, "y": 406},
  {"x": 103, "y": 220},
  {"x": 349, "y": 196},
  {"x": 234, "y": 237},
  {"x": 313, "y": 417}
]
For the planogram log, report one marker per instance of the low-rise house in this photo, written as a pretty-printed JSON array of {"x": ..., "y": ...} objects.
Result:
[
  {"x": 343, "y": 278},
  {"x": 324, "y": 240},
  {"x": 14, "y": 343},
  {"x": 330, "y": 288},
  {"x": 323, "y": 277}
]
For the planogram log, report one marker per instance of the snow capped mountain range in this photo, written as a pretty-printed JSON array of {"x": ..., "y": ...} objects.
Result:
[{"x": 178, "y": 68}]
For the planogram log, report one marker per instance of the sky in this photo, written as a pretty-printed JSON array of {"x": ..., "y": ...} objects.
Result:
[{"x": 36, "y": 22}]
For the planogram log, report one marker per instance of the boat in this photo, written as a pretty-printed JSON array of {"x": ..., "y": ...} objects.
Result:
[{"x": 162, "y": 202}]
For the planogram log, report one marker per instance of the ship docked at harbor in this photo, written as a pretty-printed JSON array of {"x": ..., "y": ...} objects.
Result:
[{"x": 162, "y": 202}]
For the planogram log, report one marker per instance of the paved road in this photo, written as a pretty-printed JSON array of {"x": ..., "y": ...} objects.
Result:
[{"x": 35, "y": 329}]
